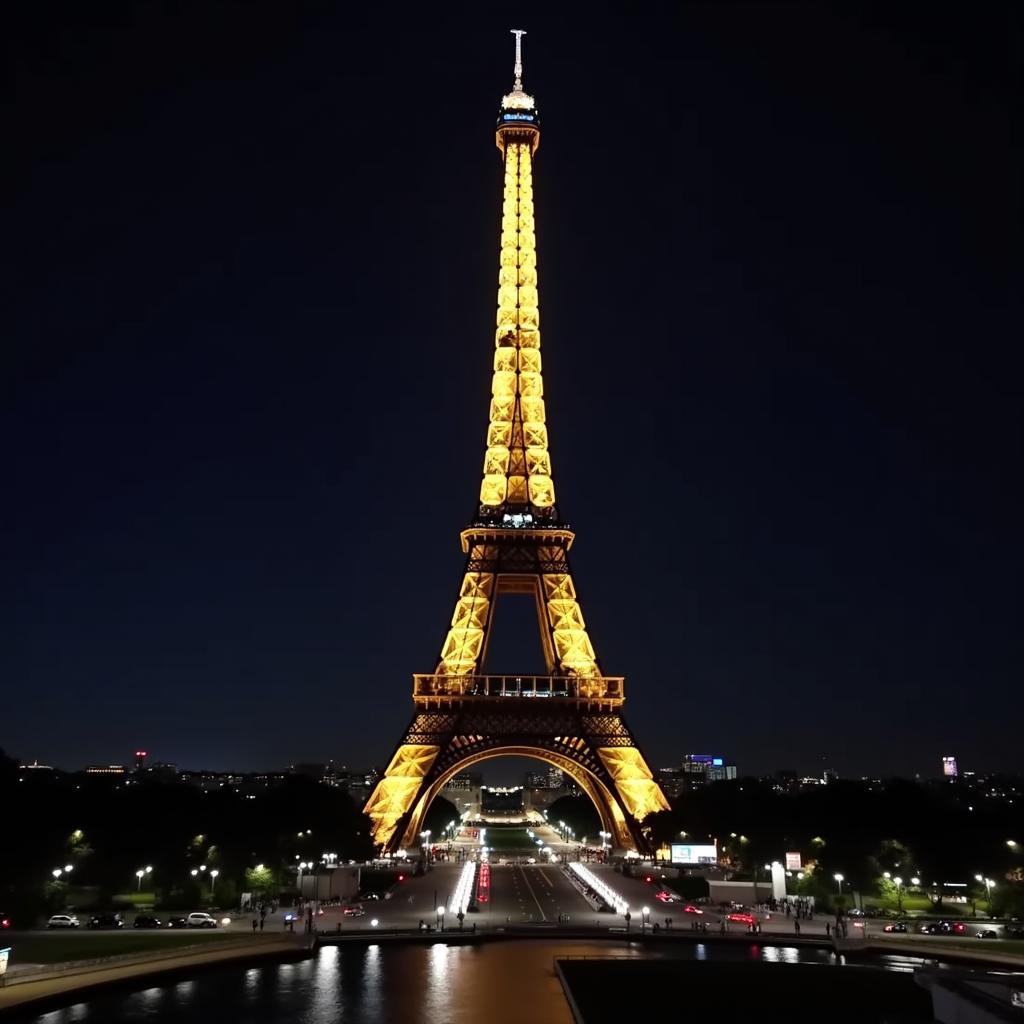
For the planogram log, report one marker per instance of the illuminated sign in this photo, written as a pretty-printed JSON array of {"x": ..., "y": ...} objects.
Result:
[
  {"x": 717, "y": 761},
  {"x": 793, "y": 862},
  {"x": 949, "y": 767},
  {"x": 4, "y": 956},
  {"x": 682, "y": 854},
  {"x": 517, "y": 117}
]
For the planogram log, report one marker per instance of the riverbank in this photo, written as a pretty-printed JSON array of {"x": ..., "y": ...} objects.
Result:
[{"x": 57, "y": 984}]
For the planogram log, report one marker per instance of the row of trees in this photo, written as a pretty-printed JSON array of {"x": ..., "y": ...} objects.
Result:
[
  {"x": 107, "y": 832},
  {"x": 939, "y": 834},
  {"x": 859, "y": 830}
]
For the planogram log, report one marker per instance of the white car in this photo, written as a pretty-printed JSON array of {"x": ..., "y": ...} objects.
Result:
[
  {"x": 62, "y": 921},
  {"x": 200, "y": 920}
]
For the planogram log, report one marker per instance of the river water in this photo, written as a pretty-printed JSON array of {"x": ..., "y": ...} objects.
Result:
[{"x": 494, "y": 982}]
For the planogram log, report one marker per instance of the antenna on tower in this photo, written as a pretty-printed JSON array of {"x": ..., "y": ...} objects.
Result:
[{"x": 519, "y": 33}]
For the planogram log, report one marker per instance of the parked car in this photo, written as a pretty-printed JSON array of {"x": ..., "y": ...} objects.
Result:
[
  {"x": 855, "y": 912},
  {"x": 665, "y": 896},
  {"x": 146, "y": 921},
  {"x": 363, "y": 896},
  {"x": 987, "y": 933},
  {"x": 61, "y": 921},
  {"x": 354, "y": 912},
  {"x": 896, "y": 926},
  {"x": 944, "y": 928},
  {"x": 691, "y": 909},
  {"x": 177, "y": 922},
  {"x": 106, "y": 921},
  {"x": 200, "y": 919}
]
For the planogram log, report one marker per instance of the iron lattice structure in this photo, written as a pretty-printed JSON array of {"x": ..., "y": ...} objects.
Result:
[{"x": 571, "y": 717}]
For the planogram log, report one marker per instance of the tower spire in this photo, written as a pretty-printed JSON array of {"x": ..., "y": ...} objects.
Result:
[{"x": 519, "y": 33}]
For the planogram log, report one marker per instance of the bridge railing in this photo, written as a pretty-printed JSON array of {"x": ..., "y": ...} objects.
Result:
[{"x": 603, "y": 688}]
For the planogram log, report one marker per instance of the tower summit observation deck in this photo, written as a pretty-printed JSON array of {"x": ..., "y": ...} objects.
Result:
[{"x": 516, "y": 543}]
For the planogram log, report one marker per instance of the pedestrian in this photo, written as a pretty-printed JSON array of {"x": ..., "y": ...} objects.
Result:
[
  {"x": 828, "y": 930},
  {"x": 261, "y": 922},
  {"x": 255, "y": 925},
  {"x": 796, "y": 925}
]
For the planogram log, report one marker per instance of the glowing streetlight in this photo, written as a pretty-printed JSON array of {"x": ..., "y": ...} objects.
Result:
[
  {"x": 140, "y": 874},
  {"x": 213, "y": 879},
  {"x": 67, "y": 868},
  {"x": 839, "y": 878},
  {"x": 988, "y": 883},
  {"x": 56, "y": 872},
  {"x": 645, "y": 918},
  {"x": 915, "y": 880},
  {"x": 440, "y": 917},
  {"x": 194, "y": 872},
  {"x": 1012, "y": 844}
]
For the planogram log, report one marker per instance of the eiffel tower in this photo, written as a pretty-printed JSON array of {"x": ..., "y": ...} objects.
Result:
[{"x": 517, "y": 543}]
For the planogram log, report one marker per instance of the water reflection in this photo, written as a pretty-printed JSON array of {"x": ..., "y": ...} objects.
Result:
[{"x": 495, "y": 982}]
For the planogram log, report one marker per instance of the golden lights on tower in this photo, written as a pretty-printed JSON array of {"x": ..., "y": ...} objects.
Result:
[{"x": 517, "y": 524}]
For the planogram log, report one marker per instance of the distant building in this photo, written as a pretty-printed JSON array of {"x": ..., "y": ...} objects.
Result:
[
  {"x": 140, "y": 760},
  {"x": 949, "y": 769},
  {"x": 465, "y": 780},
  {"x": 721, "y": 772},
  {"x": 551, "y": 778},
  {"x": 671, "y": 781},
  {"x": 105, "y": 769}
]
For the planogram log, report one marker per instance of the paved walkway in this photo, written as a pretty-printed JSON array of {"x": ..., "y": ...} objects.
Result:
[{"x": 63, "y": 982}]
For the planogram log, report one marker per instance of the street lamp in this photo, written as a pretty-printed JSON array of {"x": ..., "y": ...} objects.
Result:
[
  {"x": 899, "y": 894},
  {"x": 213, "y": 879},
  {"x": 140, "y": 874},
  {"x": 839, "y": 878},
  {"x": 67, "y": 869},
  {"x": 915, "y": 880},
  {"x": 645, "y": 918},
  {"x": 988, "y": 883},
  {"x": 194, "y": 872},
  {"x": 440, "y": 918},
  {"x": 56, "y": 872}
]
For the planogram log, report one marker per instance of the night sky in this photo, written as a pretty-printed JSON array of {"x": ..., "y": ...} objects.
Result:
[{"x": 248, "y": 329}]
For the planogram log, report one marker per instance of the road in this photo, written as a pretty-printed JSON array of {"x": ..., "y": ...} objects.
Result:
[{"x": 536, "y": 894}]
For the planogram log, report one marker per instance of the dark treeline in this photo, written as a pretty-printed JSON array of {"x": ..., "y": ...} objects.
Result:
[{"x": 107, "y": 831}]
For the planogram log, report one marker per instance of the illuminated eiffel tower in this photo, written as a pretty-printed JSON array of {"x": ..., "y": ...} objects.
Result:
[{"x": 571, "y": 717}]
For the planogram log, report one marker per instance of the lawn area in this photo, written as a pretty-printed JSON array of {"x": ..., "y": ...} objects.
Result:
[
  {"x": 53, "y": 949},
  {"x": 503, "y": 840},
  {"x": 1013, "y": 947}
]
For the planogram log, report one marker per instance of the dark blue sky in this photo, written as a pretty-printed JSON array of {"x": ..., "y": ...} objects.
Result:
[{"x": 248, "y": 329}]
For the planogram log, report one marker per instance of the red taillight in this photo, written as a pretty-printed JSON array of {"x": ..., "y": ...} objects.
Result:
[
  {"x": 5, "y": 923},
  {"x": 401, "y": 878}
]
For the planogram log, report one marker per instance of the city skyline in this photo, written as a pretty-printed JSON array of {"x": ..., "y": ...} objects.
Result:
[{"x": 251, "y": 359}]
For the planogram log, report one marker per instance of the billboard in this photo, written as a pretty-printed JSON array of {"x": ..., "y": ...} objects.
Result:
[
  {"x": 686, "y": 854},
  {"x": 949, "y": 767},
  {"x": 793, "y": 862}
]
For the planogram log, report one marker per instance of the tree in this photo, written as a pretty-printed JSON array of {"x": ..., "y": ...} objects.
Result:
[{"x": 261, "y": 880}]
